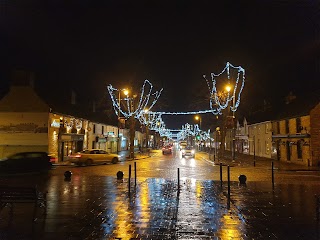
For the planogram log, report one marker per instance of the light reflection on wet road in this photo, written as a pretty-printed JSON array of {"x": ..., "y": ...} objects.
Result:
[{"x": 94, "y": 205}]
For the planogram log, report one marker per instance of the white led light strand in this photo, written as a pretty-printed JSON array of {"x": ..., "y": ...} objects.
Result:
[
  {"x": 133, "y": 108},
  {"x": 219, "y": 100}
]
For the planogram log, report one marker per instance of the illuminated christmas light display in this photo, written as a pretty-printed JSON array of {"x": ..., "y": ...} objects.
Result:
[
  {"x": 220, "y": 100},
  {"x": 132, "y": 108},
  {"x": 227, "y": 96}
]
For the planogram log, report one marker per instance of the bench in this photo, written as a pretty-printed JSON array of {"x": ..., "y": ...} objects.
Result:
[{"x": 12, "y": 195}]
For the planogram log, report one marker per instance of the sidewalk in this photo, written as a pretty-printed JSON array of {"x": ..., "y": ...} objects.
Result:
[{"x": 249, "y": 160}]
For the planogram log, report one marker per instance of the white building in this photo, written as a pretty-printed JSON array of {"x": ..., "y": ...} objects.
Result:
[{"x": 260, "y": 139}]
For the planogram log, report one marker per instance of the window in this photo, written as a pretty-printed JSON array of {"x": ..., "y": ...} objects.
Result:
[
  {"x": 267, "y": 147},
  {"x": 93, "y": 143},
  {"x": 102, "y": 131},
  {"x": 287, "y": 126},
  {"x": 278, "y": 127},
  {"x": 94, "y": 128},
  {"x": 298, "y": 125},
  {"x": 299, "y": 149}
]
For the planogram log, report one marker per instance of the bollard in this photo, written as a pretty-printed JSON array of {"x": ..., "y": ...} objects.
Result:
[
  {"x": 129, "y": 180},
  {"x": 135, "y": 173},
  {"x": 254, "y": 163},
  {"x": 178, "y": 178},
  {"x": 242, "y": 179},
  {"x": 221, "y": 175},
  {"x": 120, "y": 175},
  {"x": 272, "y": 174},
  {"x": 67, "y": 175},
  {"x": 229, "y": 182}
]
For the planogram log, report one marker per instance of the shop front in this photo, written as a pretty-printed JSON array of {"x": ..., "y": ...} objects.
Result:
[{"x": 69, "y": 143}]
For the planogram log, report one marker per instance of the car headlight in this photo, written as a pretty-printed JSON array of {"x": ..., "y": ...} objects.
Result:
[{"x": 192, "y": 151}]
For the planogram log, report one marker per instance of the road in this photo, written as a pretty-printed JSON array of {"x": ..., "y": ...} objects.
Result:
[{"x": 93, "y": 204}]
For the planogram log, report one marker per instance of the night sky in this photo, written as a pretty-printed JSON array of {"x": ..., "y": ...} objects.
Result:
[{"x": 86, "y": 45}]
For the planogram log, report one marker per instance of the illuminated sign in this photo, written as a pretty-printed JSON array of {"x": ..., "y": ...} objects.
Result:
[{"x": 55, "y": 123}]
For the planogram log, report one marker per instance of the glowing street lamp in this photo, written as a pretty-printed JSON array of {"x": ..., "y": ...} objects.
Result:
[{"x": 198, "y": 118}]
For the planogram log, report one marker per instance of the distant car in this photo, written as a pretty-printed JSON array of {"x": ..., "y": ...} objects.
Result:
[
  {"x": 93, "y": 156},
  {"x": 182, "y": 145},
  {"x": 188, "y": 151},
  {"x": 26, "y": 162},
  {"x": 167, "y": 150}
]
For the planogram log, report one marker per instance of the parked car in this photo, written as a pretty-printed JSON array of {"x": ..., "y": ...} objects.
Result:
[
  {"x": 188, "y": 151},
  {"x": 93, "y": 156},
  {"x": 167, "y": 149},
  {"x": 25, "y": 162}
]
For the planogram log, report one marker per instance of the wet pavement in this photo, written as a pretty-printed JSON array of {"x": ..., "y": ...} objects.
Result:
[{"x": 102, "y": 207}]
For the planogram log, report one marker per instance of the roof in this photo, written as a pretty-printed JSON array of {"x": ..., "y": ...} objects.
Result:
[
  {"x": 297, "y": 107},
  {"x": 22, "y": 99}
]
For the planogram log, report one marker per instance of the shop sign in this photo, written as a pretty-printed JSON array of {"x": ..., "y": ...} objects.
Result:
[
  {"x": 55, "y": 123},
  {"x": 71, "y": 137},
  {"x": 102, "y": 140}
]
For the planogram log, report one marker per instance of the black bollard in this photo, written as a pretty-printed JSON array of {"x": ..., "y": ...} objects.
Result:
[
  {"x": 120, "y": 175},
  {"x": 254, "y": 163},
  {"x": 135, "y": 173},
  {"x": 221, "y": 175},
  {"x": 229, "y": 182},
  {"x": 67, "y": 175},
  {"x": 129, "y": 180},
  {"x": 178, "y": 178},
  {"x": 242, "y": 179},
  {"x": 272, "y": 175}
]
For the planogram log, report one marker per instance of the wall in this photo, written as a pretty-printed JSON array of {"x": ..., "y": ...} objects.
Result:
[
  {"x": 23, "y": 131},
  {"x": 260, "y": 135},
  {"x": 315, "y": 134}
]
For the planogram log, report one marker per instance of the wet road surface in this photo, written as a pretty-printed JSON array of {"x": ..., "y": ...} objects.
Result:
[{"x": 93, "y": 204}]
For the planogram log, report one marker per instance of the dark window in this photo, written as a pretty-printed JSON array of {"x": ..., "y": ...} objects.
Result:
[
  {"x": 278, "y": 127},
  {"x": 93, "y": 144},
  {"x": 288, "y": 148},
  {"x": 287, "y": 126},
  {"x": 299, "y": 149},
  {"x": 102, "y": 131},
  {"x": 298, "y": 125},
  {"x": 94, "y": 128}
]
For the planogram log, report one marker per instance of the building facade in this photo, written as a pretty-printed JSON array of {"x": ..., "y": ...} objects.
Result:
[
  {"x": 260, "y": 139},
  {"x": 23, "y": 122},
  {"x": 291, "y": 140},
  {"x": 27, "y": 123}
]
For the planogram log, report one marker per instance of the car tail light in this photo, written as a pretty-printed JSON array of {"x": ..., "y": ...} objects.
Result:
[
  {"x": 75, "y": 156},
  {"x": 53, "y": 159}
]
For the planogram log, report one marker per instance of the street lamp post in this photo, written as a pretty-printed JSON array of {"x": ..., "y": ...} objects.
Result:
[
  {"x": 198, "y": 118},
  {"x": 125, "y": 91},
  {"x": 228, "y": 88}
]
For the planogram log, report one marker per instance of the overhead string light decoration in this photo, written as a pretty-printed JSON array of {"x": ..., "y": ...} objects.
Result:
[
  {"x": 220, "y": 98},
  {"x": 132, "y": 109}
]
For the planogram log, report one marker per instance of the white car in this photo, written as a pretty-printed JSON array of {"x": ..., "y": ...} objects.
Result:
[
  {"x": 93, "y": 156},
  {"x": 188, "y": 151}
]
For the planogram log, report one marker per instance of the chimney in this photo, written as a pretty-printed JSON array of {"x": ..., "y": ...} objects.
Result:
[
  {"x": 94, "y": 106},
  {"x": 31, "y": 80},
  {"x": 73, "y": 97}
]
